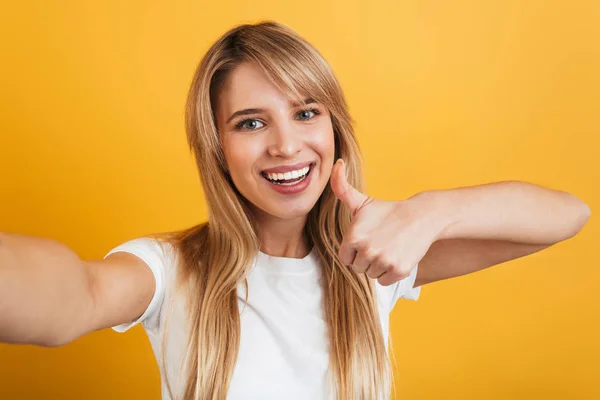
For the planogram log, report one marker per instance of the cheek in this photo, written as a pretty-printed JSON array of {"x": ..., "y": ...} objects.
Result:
[
  {"x": 240, "y": 154},
  {"x": 323, "y": 143}
]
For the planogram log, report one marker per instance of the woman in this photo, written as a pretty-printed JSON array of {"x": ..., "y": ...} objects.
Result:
[{"x": 285, "y": 292}]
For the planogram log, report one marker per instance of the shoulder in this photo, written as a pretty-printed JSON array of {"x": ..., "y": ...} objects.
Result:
[
  {"x": 152, "y": 250},
  {"x": 159, "y": 256},
  {"x": 404, "y": 288},
  {"x": 386, "y": 294}
]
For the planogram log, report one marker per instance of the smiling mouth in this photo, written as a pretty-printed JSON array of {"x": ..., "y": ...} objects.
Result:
[{"x": 292, "y": 179}]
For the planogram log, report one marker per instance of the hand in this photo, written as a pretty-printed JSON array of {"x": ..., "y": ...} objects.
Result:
[{"x": 386, "y": 239}]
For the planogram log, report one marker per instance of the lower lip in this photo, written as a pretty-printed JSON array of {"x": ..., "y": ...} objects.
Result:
[{"x": 295, "y": 188}]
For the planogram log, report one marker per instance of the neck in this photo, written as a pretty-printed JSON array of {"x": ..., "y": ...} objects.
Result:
[{"x": 282, "y": 237}]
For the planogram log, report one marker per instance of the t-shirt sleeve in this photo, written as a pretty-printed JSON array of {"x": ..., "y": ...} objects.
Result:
[
  {"x": 152, "y": 253},
  {"x": 404, "y": 288}
]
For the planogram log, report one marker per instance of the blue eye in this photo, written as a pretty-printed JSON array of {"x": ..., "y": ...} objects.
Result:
[
  {"x": 308, "y": 114},
  {"x": 252, "y": 124},
  {"x": 249, "y": 125}
]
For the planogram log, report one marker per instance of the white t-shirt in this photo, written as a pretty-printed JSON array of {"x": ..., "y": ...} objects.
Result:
[{"x": 283, "y": 350}]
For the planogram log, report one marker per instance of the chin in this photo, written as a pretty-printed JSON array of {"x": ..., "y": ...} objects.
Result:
[
  {"x": 283, "y": 212},
  {"x": 289, "y": 215},
  {"x": 286, "y": 211}
]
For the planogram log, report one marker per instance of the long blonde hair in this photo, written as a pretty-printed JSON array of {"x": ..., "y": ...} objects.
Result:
[{"x": 215, "y": 256}]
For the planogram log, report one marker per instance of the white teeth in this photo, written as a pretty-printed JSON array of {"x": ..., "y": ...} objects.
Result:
[{"x": 288, "y": 175}]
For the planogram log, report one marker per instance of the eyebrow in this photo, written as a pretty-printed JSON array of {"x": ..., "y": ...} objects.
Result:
[{"x": 251, "y": 111}]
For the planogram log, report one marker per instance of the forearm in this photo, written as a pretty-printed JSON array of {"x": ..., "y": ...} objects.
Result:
[
  {"x": 43, "y": 290},
  {"x": 514, "y": 211}
]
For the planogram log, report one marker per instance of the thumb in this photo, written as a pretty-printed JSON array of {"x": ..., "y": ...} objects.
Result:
[{"x": 343, "y": 190}]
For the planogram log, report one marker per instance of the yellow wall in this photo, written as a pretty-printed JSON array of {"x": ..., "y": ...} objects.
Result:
[{"x": 445, "y": 94}]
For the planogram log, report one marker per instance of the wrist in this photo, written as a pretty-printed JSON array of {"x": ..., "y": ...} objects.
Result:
[{"x": 444, "y": 215}]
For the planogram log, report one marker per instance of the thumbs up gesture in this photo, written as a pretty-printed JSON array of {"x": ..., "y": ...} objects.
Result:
[{"x": 386, "y": 239}]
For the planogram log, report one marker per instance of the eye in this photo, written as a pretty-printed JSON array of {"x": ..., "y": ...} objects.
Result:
[
  {"x": 249, "y": 124},
  {"x": 307, "y": 114}
]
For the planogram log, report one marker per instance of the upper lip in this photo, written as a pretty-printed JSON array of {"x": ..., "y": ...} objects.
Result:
[{"x": 287, "y": 168}]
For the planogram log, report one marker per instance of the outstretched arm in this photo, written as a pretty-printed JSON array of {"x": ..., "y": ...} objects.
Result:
[{"x": 493, "y": 223}]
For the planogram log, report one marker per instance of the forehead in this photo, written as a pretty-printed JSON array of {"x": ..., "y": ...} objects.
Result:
[{"x": 248, "y": 86}]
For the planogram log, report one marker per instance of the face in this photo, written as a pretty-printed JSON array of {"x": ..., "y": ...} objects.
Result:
[{"x": 279, "y": 154}]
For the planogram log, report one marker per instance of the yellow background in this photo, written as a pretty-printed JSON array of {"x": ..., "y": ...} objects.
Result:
[{"x": 444, "y": 93}]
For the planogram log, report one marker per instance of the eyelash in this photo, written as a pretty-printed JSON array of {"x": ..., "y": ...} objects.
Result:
[{"x": 240, "y": 125}]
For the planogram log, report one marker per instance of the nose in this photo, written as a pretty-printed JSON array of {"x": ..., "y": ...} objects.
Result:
[{"x": 284, "y": 140}]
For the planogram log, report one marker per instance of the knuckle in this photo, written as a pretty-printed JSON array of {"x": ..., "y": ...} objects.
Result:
[
  {"x": 387, "y": 261},
  {"x": 361, "y": 243},
  {"x": 385, "y": 281},
  {"x": 401, "y": 271},
  {"x": 371, "y": 253}
]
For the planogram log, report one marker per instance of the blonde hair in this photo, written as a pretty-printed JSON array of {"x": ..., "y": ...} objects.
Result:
[{"x": 215, "y": 256}]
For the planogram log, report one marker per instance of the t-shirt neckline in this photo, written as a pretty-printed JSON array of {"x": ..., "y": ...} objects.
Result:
[{"x": 287, "y": 264}]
